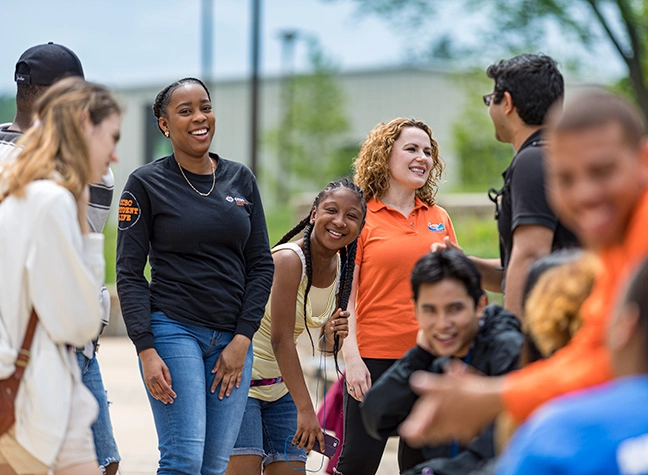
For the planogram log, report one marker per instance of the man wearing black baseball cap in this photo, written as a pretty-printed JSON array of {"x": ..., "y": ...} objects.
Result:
[
  {"x": 46, "y": 64},
  {"x": 36, "y": 70}
]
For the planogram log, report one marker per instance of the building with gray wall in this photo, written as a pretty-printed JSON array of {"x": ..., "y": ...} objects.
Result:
[{"x": 372, "y": 96}]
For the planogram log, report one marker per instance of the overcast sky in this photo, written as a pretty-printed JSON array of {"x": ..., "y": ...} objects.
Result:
[
  {"x": 134, "y": 42},
  {"x": 129, "y": 42}
]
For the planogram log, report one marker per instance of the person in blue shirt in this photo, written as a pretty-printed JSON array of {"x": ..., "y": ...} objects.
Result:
[{"x": 603, "y": 430}]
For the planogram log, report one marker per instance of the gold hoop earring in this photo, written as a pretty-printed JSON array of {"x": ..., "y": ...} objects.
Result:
[{"x": 166, "y": 133}]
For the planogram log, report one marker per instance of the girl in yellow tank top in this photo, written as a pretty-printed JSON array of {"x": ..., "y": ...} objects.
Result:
[{"x": 310, "y": 289}]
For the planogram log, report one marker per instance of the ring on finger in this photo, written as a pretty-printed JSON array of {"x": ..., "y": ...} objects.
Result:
[{"x": 351, "y": 389}]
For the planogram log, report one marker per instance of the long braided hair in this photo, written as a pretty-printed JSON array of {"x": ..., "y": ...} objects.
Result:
[{"x": 347, "y": 254}]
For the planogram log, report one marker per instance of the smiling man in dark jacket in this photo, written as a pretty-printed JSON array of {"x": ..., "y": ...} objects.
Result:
[{"x": 455, "y": 323}]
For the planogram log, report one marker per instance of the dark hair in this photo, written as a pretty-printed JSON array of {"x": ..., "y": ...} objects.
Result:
[
  {"x": 637, "y": 293},
  {"x": 545, "y": 263},
  {"x": 164, "y": 97},
  {"x": 534, "y": 82},
  {"x": 27, "y": 95},
  {"x": 596, "y": 109},
  {"x": 347, "y": 254},
  {"x": 447, "y": 264}
]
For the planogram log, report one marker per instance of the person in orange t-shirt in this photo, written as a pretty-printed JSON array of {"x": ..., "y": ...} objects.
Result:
[
  {"x": 398, "y": 168},
  {"x": 598, "y": 185}
]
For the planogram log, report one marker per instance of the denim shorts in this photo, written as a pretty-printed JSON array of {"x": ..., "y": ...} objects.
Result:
[{"x": 267, "y": 430}]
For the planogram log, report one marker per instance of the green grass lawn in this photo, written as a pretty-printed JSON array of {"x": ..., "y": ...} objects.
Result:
[
  {"x": 477, "y": 237},
  {"x": 110, "y": 250}
]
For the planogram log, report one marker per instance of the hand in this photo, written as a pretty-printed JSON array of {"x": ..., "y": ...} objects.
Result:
[
  {"x": 308, "y": 432},
  {"x": 156, "y": 376},
  {"x": 229, "y": 366},
  {"x": 82, "y": 210},
  {"x": 338, "y": 325},
  {"x": 458, "y": 404},
  {"x": 446, "y": 244},
  {"x": 358, "y": 378}
]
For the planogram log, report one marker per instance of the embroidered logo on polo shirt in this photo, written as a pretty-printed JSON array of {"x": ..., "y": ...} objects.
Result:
[
  {"x": 436, "y": 228},
  {"x": 129, "y": 210},
  {"x": 237, "y": 200}
]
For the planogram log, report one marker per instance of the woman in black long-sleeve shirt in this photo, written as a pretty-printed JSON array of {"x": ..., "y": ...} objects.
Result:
[{"x": 199, "y": 221}]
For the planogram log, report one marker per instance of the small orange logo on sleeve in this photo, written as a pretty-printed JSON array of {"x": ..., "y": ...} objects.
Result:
[{"x": 129, "y": 210}]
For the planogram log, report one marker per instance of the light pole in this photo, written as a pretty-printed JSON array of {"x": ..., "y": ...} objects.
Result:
[
  {"x": 254, "y": 84},
  {"x": 287, "y": 38},
  {"x": 207, "y": 40}
]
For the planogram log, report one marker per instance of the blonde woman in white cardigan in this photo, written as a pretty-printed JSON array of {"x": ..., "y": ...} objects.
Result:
[{"x": 53, "y": 263}]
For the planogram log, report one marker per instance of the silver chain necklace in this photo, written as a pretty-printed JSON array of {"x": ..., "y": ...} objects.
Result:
[{"x": 193, "y": 187}]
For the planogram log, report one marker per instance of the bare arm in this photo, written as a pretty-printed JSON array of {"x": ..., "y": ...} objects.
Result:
[
  {"x": 491, "y": 273},
  {"x": 530, "y": 243},
  {"x": 287, "y": 276},
  {"x": 490, "y": 269},
  {"x": 357, "y": 374}
]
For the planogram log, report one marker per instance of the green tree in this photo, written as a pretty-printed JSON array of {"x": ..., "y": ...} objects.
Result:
[
  {"x": 7, "y": 108},
  {"x": 482, "y": 159},
  {"x": 311, "y": 145},
  {"x": 523, "y": 24}
]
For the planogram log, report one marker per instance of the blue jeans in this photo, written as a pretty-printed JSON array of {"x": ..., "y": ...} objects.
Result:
[
  {"x": 197, "y": 432},
  {"x": 268, "y": 429},
  {"x": 102, "y": 430}
]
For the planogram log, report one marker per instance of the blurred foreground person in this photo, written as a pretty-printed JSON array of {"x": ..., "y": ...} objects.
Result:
[
  {"x": 556, "y": 287},
  {"x": 603, "y": 430},
  {"x": 598, "y": 175},
  {"x": 53, "y": 264},
  {"x": 450, "y": 307}
]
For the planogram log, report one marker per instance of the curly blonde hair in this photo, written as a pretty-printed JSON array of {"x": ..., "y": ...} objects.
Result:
[
  {"x": 552, "y": 311},
  {"x": 371, "y": 164}
]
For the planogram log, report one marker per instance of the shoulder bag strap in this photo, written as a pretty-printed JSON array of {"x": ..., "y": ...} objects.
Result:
[{"x": 24, "y": 354}]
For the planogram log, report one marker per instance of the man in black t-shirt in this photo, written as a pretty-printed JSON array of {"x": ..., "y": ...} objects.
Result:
[{"x": 525, "y": 88}]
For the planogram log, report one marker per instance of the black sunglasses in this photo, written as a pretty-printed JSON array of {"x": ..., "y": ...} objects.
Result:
[{"x": 488, "y": 98}]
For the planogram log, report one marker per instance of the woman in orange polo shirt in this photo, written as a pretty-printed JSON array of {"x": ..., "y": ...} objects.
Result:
[{"x": 398, "y": 169}]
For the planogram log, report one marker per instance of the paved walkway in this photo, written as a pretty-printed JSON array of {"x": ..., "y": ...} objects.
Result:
[{"x": 133, "y": 421}]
